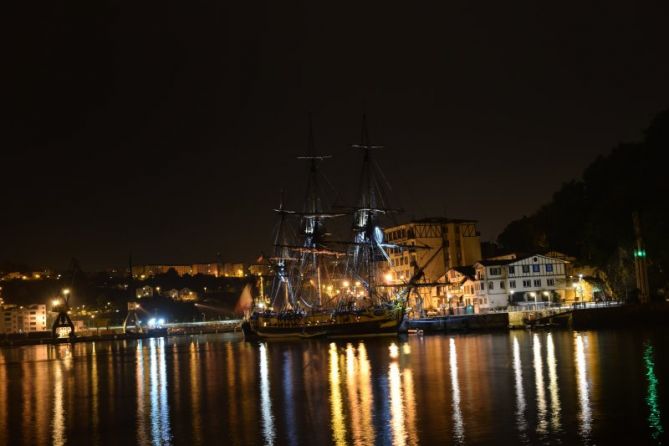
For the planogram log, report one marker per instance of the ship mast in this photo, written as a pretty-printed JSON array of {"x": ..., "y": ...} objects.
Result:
[
  {"x": 280, "y": 259},
  {"x": 311, "y": 221},
  {"x": 368, "y": 237}
]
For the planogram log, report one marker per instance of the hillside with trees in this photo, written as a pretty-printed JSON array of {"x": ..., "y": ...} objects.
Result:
[{"x": 591, "y": 218}]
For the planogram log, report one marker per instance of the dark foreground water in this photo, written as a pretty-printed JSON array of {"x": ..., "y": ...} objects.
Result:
[{"x": 508, "y": 388}]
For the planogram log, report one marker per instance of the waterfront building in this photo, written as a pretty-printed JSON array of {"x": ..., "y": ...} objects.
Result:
[
  {"x": 527, "y": 279},
  {"x": 23, "y": 319},
  {"x": 508, "y": 280},
  {"x": 215, "y": 269},
  {"x": 441, "y": 244}
]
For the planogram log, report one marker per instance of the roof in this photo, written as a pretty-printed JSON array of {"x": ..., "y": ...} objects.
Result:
[
  {"x": 465, "y": 270},
  {"x": 496, "y": 262},
  {"x": 444, "y": 220}
]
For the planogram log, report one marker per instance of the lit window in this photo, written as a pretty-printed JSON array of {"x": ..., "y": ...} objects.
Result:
[
  {"x": 536, "y": 268},
  {"x": 549, "y": 267}
]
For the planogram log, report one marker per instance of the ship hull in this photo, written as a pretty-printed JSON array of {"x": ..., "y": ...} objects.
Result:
[{"x": 340, "y": 327}]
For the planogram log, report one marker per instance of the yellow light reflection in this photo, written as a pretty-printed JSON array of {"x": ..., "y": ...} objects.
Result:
[
  {"x": 585, "y": 416},
  {"x": 366, "y": 396},
  {"x": 542, "y": 423},
  {"x": 195, "y": 396},
  {"x": 265, "y": 401},
  {"x": 94, "y": 391},
  {"x": 336, "y": 406},
  {"x": 410, "y": 406},
  {"x": 520, "y": 393},
  {"x": 394, "y": 351},
  {"x": 458, "y": 424},
  {"x": 58, "y": 422},
  {"x": 552, "y": 383},
  {"x": 396, "y": 404},
  {"x": 353, "y": 397}
]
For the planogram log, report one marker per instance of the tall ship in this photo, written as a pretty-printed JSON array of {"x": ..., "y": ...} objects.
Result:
[{"x": 328, "y": 287}]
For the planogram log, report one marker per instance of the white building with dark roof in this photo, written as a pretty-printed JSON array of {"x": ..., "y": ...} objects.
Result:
[{"x": 527, "y": 279}]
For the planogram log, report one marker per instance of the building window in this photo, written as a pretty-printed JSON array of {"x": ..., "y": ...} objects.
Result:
[
  {"x": 550, "y": 282},
  {"x": 512, "y": 270},
  {"x": 502, "y": 285},
  {"x": 495, "y": 271},
  {"x": 537, "y": 282},
  {"x": 512, "y": 283},
  {"x": 491, "y": 285},
  {"x": 526, "y": 268},
  {"x": 527, "y": 283},
  {"x": 536, "y": 268},
  {"x": 549, "y": 267}
]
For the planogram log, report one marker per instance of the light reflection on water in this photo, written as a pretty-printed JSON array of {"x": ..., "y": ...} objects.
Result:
[
  {"x": 654, "y": 416},
  {"x": 153, "y": 420},
  {"x": 585, "y": 414},
  {"x": 553, "y": 383},
  {"x": 539, "y": 381},
  {"x": 470, "y": 389},
  {"x": 336, "y": 403},
  {"x": 458, "y": 423},
  {"x": 521, "y": 423},
  {"x": 58, "y": 422},
  {"x": 265, "y": 401}
]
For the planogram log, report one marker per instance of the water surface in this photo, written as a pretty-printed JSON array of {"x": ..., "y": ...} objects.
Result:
[{"x": 561, "y": 387}]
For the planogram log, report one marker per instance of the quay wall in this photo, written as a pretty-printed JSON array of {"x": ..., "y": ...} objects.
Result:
[
  {"x": 466, "y": 322},
  {"x": 654, "y": 314}
]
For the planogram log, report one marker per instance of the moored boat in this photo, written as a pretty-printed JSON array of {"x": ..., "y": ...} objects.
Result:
[{"x": 320, "y": 289}]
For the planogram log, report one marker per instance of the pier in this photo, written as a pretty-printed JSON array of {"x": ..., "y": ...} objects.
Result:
[{"x": 116, "y": 333}]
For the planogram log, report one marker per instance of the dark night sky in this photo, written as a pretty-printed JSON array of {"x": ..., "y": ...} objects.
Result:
[{"x": 167, "y": 128}]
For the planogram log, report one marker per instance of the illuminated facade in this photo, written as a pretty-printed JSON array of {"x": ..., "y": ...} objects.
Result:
[
  {"x": 528, "y": 279},
  {"x": 208, "y": 269},
  {"x": 32, "y": 275},
  {"x": 442, "y": 243},
  {"x": 23, "y": 319}
]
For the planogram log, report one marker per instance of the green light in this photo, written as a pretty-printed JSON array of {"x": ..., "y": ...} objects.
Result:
[
  {"x": 639, "y": 253},
  {"x": 654, "y": 421}
]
